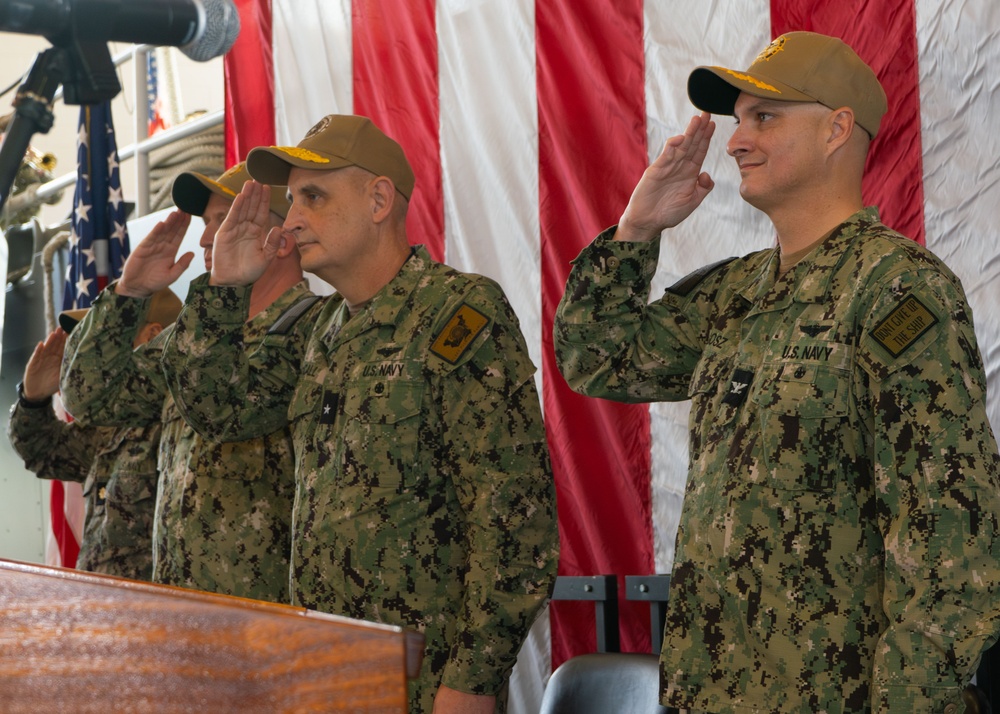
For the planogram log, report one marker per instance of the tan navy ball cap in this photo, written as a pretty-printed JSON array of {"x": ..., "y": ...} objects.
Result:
[
  {"x": 191, "y": 190},
  {"x": 337, "y": 141},
  {"x": 797, "y": 67},
  {"x": 68, "y": 319},
  {"x": 164, "y": 307}
]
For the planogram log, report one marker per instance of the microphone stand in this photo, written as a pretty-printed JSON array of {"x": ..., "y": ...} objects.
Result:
[
  {"x": 32, "y": 113},
  {"x": 87, "y": 73}
]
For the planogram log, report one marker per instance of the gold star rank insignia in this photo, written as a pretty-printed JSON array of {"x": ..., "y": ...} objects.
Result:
[{"x": 463, "y": 327}]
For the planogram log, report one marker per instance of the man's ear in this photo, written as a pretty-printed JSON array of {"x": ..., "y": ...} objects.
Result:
[
  {"x": 842, "y": 127},
  {"x": 148, "y": 332},
  {"x": 286, "y": 243},
  {"x": 286, "y": 246},
  {"x": 383, "y": 194}
]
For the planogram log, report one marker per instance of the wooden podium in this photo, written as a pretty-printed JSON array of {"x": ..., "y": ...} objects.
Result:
[{"x": 77, "y": 642}]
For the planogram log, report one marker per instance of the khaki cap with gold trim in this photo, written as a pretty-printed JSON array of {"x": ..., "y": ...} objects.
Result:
[
  {"x": 337, "y": 141},
  {"x": 191, "y": 190},
  {"x": 797, "y": 67}
]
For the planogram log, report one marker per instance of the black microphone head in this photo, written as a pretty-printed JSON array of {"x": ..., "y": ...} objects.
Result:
[{"x": 218, "y": 31}]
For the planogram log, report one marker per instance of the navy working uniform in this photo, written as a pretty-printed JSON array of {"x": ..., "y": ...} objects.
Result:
[
  {"x": 837, "y": 550},
  {"x": 425, "y": 494}
]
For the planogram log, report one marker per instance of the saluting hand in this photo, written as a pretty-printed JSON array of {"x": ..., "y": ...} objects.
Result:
[
  {"x": 246, "y": 242},
  {"x": 151, "y": 266},
  {"x": 672, "y": 186},
  {"x": 41, "y": 375}
]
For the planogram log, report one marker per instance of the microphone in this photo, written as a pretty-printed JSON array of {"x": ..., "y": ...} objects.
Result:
[{"x": 202, "y": 29}]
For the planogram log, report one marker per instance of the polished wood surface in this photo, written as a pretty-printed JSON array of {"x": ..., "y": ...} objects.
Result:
[{"x": 78, "y": 642}]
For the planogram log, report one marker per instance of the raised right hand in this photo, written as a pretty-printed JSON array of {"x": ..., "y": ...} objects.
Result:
[
  {"x": 41, "y": 375},
  {"x": 672, "y": 186},
  {"x": 246, "y": 242},
  {"x": 151, "y": 266}
]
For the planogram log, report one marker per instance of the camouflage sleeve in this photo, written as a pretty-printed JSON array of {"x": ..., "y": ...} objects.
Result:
[
  {"x": 936, "y": 476},
  {"x": 494, "y": 446},
  {"x": 223, "y": 392},
  {"x": 609, "y": 342},
  {"x": 103, "y": 381},
  {"x": 50, "y": 448}
]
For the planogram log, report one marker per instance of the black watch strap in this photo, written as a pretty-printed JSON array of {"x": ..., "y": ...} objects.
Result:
[{"x": 28, "y": 403}]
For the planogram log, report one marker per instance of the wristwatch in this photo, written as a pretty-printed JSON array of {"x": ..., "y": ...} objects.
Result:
[{"x": 29, "y": 403}]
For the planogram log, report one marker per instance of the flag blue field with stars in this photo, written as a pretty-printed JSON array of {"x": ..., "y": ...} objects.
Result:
[{"x": 98, "y": 234}]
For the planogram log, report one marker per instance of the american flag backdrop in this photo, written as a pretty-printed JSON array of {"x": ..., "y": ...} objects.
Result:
[
  {"x": 528, "y": 123},
  {"x": 98, "y": 248}
]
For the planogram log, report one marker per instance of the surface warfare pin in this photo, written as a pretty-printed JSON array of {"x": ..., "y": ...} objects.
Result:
[{"x": 738, "y": 387}]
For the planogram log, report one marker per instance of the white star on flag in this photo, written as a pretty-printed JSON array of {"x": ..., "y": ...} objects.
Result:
[
  {"x": 119, "y": 233},
  {"x": 83, "y": 287},
  {"x": 82, "y": 211},
  {"x": 115, "y": 197}
]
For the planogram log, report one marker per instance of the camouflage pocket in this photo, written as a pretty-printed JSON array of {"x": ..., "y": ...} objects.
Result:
[
  {"x": 381, "y": 429},
  {"x": 235, "y": 460},
  {"x": 177, "y": 440},
  {"x": 132, "y": 486},
  {"x": 709, "y": 373},
  {"x": 802, "y": 410},
  {"x": 131, "y": 495}
]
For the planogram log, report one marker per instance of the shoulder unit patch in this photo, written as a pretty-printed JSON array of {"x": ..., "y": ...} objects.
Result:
[
  {"x": 903, "y": 326},
  {"x": 463, "y": 327}
]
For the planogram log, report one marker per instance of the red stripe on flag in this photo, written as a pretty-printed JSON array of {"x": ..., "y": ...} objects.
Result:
[
  {"x": 884, "y": 34},
  {"x": 69, "y": 549},
  {"x": 592, "y": 150},
  {"x": 249, "y": 65},
  {"x": 396, "y": 86}
]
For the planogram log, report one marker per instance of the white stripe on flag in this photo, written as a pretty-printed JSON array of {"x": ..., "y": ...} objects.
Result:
[
  {"x": 312, "y": 64},
  {"x": 724, "y": 225},
  {"x": 489, "y": 149},
  {"x": 960, "y": 101},
  {"x": 311, "y": 50},
  {"x": 489, "y": 158}
]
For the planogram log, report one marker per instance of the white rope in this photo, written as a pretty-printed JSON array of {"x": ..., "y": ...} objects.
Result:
[
  {"x": 53, "y": 247},
  {"x": 167, "y": 58}
]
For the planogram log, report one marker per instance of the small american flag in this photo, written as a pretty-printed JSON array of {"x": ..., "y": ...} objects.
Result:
[
  {"x": 99, "y": 237},
  {"x": 98, "y": 248},
  {"x": 154, "y": 102}
]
